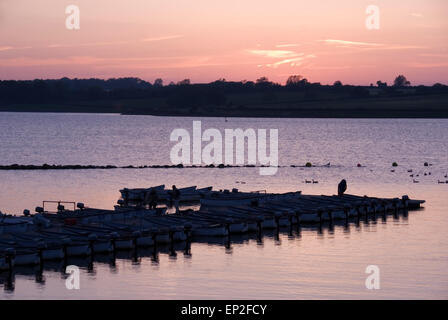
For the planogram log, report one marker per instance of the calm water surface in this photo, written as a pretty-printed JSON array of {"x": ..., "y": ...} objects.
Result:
[{"x": 411, "y": 251}]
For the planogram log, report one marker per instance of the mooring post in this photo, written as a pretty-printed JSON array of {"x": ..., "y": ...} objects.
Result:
[
  {"x": 358, "y": 213},
  {"x": 187, "y": 251},
  {"x": 291, "y": 218},
  {"x": 39, "y": 274},
  {"x": 298, "y": 218},
  {"x": 10, "y": 254},
  {"x": 373, "y": 205},
  {"x": 228, "y": 244},
  {"x": 358, "y": 209},
  {"x": 330, "y": 215},
  {"x": 228, "y": 222},
  {"x": 405, "y": 201},
  {"x": 277, "y": 216},
  {"x": 135, "y": 236},
  {"x": 259, "y": 225},
  {"x": 171, "y": 231},
  {"x": 40, "y": 251},
  {"x": 65, "y": 243},
  {"x": 395, "y": 204},
  {"x": 154, "y": 233},
  {"x": 113, "y": 239},
  {"x": 187, "y": 231},
  {"x": 92, "y": 239},
  {"x": 366, "y": 212},
  {"x": 319, "y": 213}
]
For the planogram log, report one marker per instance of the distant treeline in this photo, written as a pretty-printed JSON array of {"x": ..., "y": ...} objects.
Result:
[{"x": 188, "y": 95}]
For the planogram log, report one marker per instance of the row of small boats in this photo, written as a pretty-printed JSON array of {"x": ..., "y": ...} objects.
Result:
[
  {"x": 32, "y": 239},
  {"x": 187, "y": 194}
]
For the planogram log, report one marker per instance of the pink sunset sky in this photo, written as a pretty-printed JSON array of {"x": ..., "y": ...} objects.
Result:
[{"x": 203, "y": 40}]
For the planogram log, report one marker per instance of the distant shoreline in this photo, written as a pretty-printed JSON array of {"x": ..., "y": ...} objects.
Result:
[
  {"x": 428, "y": 106},
  {"x": 298, "y": 98}
]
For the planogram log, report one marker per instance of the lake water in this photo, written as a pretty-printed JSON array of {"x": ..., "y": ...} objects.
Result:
[{"x": 411, "y": 251}]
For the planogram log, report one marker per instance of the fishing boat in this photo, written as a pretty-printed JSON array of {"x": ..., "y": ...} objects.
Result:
[
  {"x": 236, "y": 198},
  {"x": 69, "y": 246},
  {"x": 31, "y": 239},
  {"x": 139, "y": 193},
  {"x": 20, "y": 256},
  {"x": 196, "y": 227},
  {"x": 233, "y": 225},
  {"x": 133, "y": 197},
  {"x": 85, "y": 215},
  {"x": 11, "y": 224}
]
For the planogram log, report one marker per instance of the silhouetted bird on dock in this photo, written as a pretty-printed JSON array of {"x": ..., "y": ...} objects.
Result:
[{"x": 342, "y": 187}]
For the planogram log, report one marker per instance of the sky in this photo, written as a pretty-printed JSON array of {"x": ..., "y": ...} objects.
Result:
[{"x": 205, "y": 40}]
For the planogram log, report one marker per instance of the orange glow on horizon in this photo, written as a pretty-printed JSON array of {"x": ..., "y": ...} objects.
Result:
[{"x": 204, "y": 40}]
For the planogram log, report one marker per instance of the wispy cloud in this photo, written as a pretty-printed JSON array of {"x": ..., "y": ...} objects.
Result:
[
  {"x": 29, "y": 62},
  {"x": 397, "y": 47},
  {"x": 364, "y": 46},
  {"x": 6, "y": 48},
  {"x": 434, "y": 55},
  {"x": 176, "y": 36},
  {"x": 287, "y": 45},
  {"x": 112, "y": 43},
  {"x": 429, "y": 65},
  {"x": 275, "y": 53},
  {"x": 350, "y": 43},
  {"x": 287, "y": 57},
  {"x": 100, "y": 63},
  {"x": 319, "y": 67},
  {"x": 90, "y": 44}
]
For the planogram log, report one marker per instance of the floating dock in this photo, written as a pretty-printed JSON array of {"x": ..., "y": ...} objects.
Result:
[{"x": 32, "y": 239}]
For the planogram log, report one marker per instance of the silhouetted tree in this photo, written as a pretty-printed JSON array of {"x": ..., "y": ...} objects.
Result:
[
  {"x": 185, "y": 94},
  {"x": 262, "y": 80},
  {"x": 401, "y": 81},
  {"x": 337, "y": 83},
  {"x": 296, "y": 81},
  {"x": 184, "y": 82},
  {"x": 263, "y": 83},
  {"x": 158, "y": 82},
  {"x": 381, "y": 84}
]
